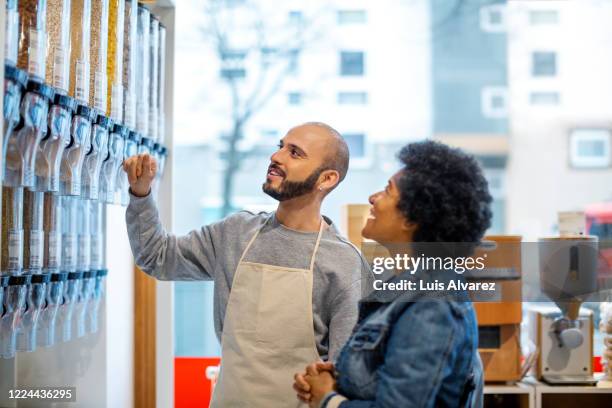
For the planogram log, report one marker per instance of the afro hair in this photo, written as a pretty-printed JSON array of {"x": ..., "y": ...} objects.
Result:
[{"x": 443, "y": 191}]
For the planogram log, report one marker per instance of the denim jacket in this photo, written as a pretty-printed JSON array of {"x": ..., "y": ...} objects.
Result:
[{"x": 410, "y": 351}]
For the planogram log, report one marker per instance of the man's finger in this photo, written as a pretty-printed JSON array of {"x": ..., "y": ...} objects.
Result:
[
  {"x": 301, "y": 382},
  {"x": 131, "y": 171},
  {"x": 311, "y": 369},
  {"x": 325, "y": 366},
  {"x": 139, "y": 166}
]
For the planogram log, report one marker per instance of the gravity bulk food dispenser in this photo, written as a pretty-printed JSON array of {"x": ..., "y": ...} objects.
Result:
[
  {"x": 12, "y": 230},
  {"x": 31, "y": 52},
  {"x": 74, "y": 154},
  {"x": 96, "y": 299},
  {"x": 14, "y": 83},
  {"x": 47, "y": 320},
  {"x": 114, "y": 107},
  {"x": 80, "y": 64},
  {"x": 97, "y": 154},
  {"x": 58, "y": 44},
  {"x": 35, "y": 301},
  {"x": 11, "y": 34},
  {"x": 143, "y": 71},
  {"x": 112, "y": 164},
  {"x": 130, "y": 149},
  {"x": 130, "y": 52},
  {"x": 97, "y": 265},
  {"x": 69, "y": 265},
  {"x": 98, "y": 54},
  {"x": 161, "y": 130},
  {"x": 33, "y": 228},
  {"x": 51, "y": 147},
  {"x": 154, "y": 78},
  {"x": 14, "y": 306},
  {"x": 83, "y": 264},
  {"x": 23, "y": 144}
]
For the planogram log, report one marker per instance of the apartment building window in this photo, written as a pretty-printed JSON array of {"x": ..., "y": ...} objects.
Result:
[
  {"x": 494, "y": 101},
  {"x": 351, "y": 63},
  {"x": 590, "y": 148},
  {"x": 232, "y": 64},
  {"x": 351, "y": 16},
  {"x": 296, "y": 17},
  {"x": 493, "y": 18},
  {"x": 352, "y": 98},
  {"x": 356, "y": 143},
  {"x": 294, "y": 98},
  {"x": 544, "y": 64},
  {"x": 544, "y": 98},
  {"x": 543, "y": 17}
]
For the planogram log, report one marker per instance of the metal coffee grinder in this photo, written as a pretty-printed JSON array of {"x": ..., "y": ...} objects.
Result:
[{"x": 564, "y": 335}]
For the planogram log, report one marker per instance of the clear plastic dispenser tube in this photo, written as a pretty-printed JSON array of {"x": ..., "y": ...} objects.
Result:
[
  {"x": 97, "y": 154},
  {"x": 23, "y": 145},
  {"x": 51, "y": 147},
  {"x": 15, "y": 81},
  {"x": 112, "y": 164},
  {"x": 74, "y": 155},
  {"x": 14, "y": 307},
  {"x": 47, "y": 321},
  {"x": 35, "y": 303}
]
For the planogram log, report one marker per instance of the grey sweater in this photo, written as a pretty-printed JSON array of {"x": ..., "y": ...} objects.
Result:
[{"x": 212, "y": 252}]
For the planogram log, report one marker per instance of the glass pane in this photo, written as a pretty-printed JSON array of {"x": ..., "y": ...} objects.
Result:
[
  {"x": 544, "y": 64},
  {"x": 351, "y": 63}
]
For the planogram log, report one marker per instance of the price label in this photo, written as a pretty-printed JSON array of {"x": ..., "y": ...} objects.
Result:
[
  {"x": 59, "y": 69},
  {"x": 69, "y": 246},
  {"x": 84, "y": 251},
  {"x": 100, "y": 91},
  {"x": 34, "y": 53},
  {"x": 15, "y": 249},
  {"x": 54, "y": 250},
  {"x": 36, "y": 249},
  {"x": 96, "y": 252},
  {"x": 81, "y": 86}
]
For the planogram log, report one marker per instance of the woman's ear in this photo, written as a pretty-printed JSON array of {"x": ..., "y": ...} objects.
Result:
[{"x": 409, "y": 228}]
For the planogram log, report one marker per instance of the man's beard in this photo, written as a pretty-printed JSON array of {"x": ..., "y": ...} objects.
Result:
[{"x": 292, "y": 189}]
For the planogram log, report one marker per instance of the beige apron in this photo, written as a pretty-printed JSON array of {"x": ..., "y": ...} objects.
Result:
[{"x": 268, "y": 334}]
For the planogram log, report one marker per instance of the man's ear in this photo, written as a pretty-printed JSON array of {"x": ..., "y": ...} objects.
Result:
[{"x": 329, "y": 179}]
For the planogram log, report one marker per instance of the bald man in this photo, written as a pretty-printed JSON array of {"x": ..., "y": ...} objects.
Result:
[{"x": 286, "y": 282}]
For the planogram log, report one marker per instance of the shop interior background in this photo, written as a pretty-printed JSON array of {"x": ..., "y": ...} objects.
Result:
[{"x": 524, "y": 85}]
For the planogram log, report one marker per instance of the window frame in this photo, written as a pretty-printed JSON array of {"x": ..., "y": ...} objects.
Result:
[{"x": 578, "y": 162}]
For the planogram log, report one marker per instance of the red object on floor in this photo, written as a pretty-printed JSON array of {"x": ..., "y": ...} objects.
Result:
[{"x": 192, "y": 389}]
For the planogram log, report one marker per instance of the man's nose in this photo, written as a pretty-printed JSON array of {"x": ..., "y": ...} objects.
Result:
[{"x": 276, "y": 157}]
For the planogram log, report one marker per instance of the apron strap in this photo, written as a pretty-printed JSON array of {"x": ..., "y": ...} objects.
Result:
[
  {"x": 314, "y": 253},
  {"x": 250, "y": 243}
]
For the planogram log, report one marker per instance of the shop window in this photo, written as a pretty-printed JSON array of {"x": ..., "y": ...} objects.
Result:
[{"x": 590, "y": 148}]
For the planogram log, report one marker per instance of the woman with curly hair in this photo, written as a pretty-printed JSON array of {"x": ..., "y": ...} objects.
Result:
[{"x": 414, "y": 349}]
